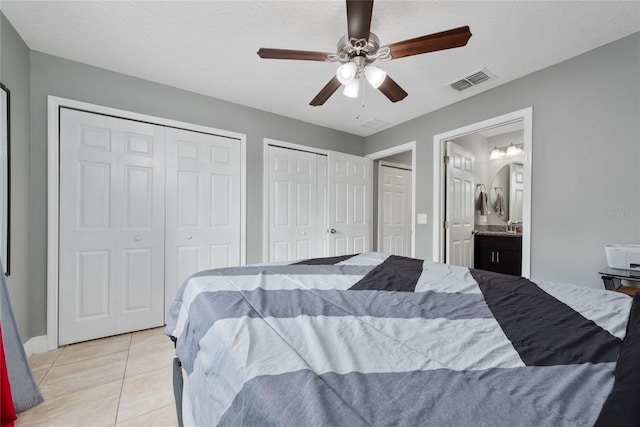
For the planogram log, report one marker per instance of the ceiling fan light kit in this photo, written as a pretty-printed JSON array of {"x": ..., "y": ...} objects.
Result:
[
  {"x": 375, "y": 76},
  {"x": 346, "y": 73},
  {"x": 360, "y": 48},
  {"x": 352, "y": 90}
]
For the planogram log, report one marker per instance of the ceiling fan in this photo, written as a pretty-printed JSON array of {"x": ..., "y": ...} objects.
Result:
[{"x": 360, "y": 48}]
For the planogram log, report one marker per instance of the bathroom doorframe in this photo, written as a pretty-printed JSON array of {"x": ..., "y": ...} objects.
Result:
[{"x": 439, "y": 148}]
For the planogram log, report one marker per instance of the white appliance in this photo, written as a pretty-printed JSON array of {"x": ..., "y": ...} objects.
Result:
[{"x": 626, "y": 257}]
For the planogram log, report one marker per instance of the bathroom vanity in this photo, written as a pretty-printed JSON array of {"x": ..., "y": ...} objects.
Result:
[{"x": 498, "y": 251}]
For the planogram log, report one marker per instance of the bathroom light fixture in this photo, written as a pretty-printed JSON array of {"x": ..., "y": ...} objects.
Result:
[
  {"x": 496, "y": 153},
  {"x": 513, "y": 150}
]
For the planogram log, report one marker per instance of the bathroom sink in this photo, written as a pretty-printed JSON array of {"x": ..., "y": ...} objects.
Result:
[{"x": 498, "y": 233}]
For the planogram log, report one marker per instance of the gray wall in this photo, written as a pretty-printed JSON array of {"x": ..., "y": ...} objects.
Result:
[
  {"x": 14, "y": 73},
  {"x": 586, "y": 152},
  {"x": 56, "y": 76}
]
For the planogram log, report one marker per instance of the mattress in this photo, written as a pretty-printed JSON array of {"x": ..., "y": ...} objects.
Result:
[{"x": 371, "y": 339}]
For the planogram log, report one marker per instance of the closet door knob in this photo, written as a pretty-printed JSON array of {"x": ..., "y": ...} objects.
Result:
[
  {"x": 332, "y": 231},
  {"x": 137, "y": 238},
  {"x": 189, "y": 237}
]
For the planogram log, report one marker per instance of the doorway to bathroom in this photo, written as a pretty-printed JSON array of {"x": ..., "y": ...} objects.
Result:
[{"x": 471, "y": 160}]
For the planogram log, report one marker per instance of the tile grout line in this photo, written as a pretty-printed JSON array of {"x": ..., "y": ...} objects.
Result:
[
  {"x": 124, "y": 374},
  {"x": 48, "y": 369}
]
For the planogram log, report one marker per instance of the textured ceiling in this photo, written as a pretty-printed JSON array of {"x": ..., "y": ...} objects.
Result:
[{"x": 209, "y": 47}]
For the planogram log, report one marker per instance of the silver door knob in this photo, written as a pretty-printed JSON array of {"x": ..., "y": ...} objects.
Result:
[
  {"x": 137, "y": 238},
  {"x": 304, "y": 233},
  {"x": 189, "y": 237},
  {"x": 332, "y": 231}
]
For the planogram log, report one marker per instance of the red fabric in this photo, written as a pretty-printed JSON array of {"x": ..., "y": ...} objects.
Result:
[{"x": 7, "y": 411}]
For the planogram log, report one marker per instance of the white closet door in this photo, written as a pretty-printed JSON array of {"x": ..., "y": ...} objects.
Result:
[
  {"x": 322, "y": 200},
  {"x": 349, "y": 204},
  {"x": 460, "y": 206},
  {"x": 203, "y": 205},
  {"x": 294, "y": 212},
  {"x": 394, "y": 215},
  {"x": 111, "y": 226}
]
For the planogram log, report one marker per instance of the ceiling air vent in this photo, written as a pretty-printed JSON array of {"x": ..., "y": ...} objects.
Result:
[
  {"x": 374, "y": 124},
  {"x": 472, "y": 79},
  {"x": 461, "y": 85}
]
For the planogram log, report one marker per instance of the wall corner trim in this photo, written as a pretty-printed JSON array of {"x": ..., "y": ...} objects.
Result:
[{"x": 34, "y": 345}]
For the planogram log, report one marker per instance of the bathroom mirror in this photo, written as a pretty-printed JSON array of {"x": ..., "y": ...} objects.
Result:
[
  {"x": 500, "y": 193},
  {"x": 506, "y": 192}
]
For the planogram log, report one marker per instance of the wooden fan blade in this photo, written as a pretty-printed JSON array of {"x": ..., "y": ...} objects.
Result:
[
  {"x": 449, "y": 39},
  {"x": 304, "y": 55},
  {"x": 359, "y": 18},
  {"x": 326, "y": 92},
  {"x": 392, "y": 90}
]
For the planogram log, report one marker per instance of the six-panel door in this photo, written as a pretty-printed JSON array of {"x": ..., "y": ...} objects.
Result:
[
  {"x": 121, "y": 261},
  {"x": 296, "y": 188},
  {"x": 203, "y": 205},
  {"x": 349, "y": 204},
  {"x": 460, "y": 206},
  {"x": 395, "y": 210},
  {"x": 111, "y": 226}
]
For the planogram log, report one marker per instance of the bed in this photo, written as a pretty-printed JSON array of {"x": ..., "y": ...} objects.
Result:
[{"x": 372, "y": 339}]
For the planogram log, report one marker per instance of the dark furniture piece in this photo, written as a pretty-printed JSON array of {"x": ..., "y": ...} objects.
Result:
[
  {"x": 612, "y": 279},
  {"x": 499, "y": 252}
]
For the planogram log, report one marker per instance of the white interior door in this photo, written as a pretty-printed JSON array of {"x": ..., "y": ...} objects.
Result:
[
  {"x": 516, "y": 191},
  {"x": 394, "y": 210},
  {"x": 349, "y": 204},
  {"x": 322, "y": 197},
  {"x": 295, "y": 204},
  {"x": 459, "y": 206},
  {"x": 203, "y": 179},
  {"x": 111, "y": 226}
]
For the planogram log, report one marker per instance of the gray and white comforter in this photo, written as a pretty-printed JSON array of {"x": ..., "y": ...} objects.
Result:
[{"x": 382, "y": 340}]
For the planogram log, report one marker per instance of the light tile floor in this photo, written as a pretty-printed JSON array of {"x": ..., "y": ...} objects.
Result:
[{"x": 124, "y": 380}]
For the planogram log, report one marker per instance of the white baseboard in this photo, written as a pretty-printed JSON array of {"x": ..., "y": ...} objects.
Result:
[{"x": 36, "y": 345}]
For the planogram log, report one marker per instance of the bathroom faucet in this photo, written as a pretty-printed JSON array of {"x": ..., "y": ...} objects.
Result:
[{"x": 512, "y": 226}]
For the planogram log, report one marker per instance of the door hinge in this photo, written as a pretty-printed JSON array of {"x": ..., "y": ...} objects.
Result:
[
  {"x": 445, "y": 225},
  {"x": 446, "y": 160}
]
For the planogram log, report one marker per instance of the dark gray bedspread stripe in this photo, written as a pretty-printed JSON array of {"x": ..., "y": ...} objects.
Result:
[
  {"x": 622, "y": 407},
  {"x": 210, "y": 307},
  {"x": 440, "y": 397},
  {"x": 543, "y": 330},
  {"x": 325, "y": 261},
  {"x": 396, "y": 273}
]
